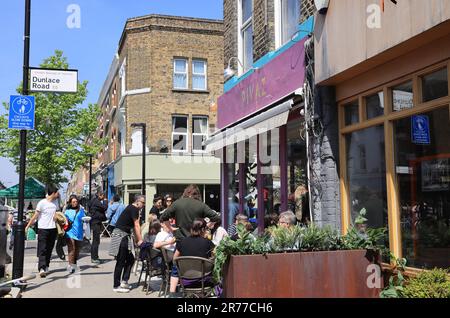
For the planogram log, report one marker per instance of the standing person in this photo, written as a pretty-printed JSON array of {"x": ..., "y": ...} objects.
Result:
[
  {"x": 114, "y": 211},
  {"x": 74, "y": 234},
  {"x": 157, "y": 207},
  {"x": 45, "y": 215},
  {"x": 97, "y": 210},
  {"x": 122, "y": 243},
  {"x": 186, "y": 210}
]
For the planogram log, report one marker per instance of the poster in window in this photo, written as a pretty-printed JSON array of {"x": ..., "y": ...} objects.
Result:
[{"x": 436, "y": 175}]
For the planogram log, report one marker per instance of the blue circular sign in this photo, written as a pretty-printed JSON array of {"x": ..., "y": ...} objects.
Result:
[{"x": 22, "y": 105}]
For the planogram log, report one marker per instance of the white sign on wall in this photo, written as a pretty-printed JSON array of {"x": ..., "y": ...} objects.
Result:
[{"x": 56, "y": 81}]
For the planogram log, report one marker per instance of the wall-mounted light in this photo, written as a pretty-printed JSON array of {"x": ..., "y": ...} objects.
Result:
[
  {"x": 229, "y": 72},
  {"x": 322, "y": 5}
]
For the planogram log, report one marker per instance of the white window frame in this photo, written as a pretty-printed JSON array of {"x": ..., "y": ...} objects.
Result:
[
  {"x": 186, "y": 73},
  {"x": 199, "y": 134},
  {"x": 242, "y": 26},
  {"x": 186, "y": 134},
  {"x": 205, "y": 74},
  {"x": 123, "y": 79},
  {"x": 279, "y": 23}
]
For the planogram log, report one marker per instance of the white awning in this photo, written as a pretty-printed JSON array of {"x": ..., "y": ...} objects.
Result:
[{"x": 275, "y": 117}]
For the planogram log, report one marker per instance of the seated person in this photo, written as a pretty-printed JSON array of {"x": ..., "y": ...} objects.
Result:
[
  {"x": 148, "y": 245},
  {"x": 145, "y": 228},
  {"x": 165, "y": 239},
  {"x": 240, "y": 219},
  {"x": 194, "y": 245}
]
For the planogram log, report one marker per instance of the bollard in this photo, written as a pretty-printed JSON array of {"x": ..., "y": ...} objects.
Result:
[{"x": 4, "y": 213}]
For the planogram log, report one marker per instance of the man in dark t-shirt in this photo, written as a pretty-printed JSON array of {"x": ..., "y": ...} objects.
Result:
[{"x": 128, "y": 220}]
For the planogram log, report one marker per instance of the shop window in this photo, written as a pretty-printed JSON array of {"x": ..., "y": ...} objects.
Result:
[
  {"x": 351, "y": 112},
  {"x": 179, "y": 133},
  {"x": 402, "y": 96},
  {"x": 199, "y": 75},
  {"x": 180, "y": 73},
  {"x": 199, "y": 133},
  {"x": 269, "y": 156},
  {"x": 366, "y": 170},
  {"x": 375, "y": 105},
  {"x": 251, "y": 170},
  {"x": 287, "y": 19},
  {"x": 296, "y": 169},
  {"x": 422, "y": 156},
  {"x": 246, "y": 33},
  {"x": 435, "y": 85}
]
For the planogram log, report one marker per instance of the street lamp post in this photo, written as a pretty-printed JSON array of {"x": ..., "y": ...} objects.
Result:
[
  {"x": 19, "y": 227},
  {"x": 90, "y": 182},
  {"x": 143, "y": 126}
]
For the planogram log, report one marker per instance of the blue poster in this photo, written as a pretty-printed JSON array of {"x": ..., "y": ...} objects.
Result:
[
  {"x": 21, "y": 112},
  {"x": 420, "y": 130}
]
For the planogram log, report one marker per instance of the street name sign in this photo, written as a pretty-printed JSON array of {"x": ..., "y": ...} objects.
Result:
[
  {"x": 21, "y": 112},
  {"x": 54, "y": 81}
]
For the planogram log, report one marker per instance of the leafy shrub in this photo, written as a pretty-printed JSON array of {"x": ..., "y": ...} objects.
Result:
[{"x": 428, "y": 284}]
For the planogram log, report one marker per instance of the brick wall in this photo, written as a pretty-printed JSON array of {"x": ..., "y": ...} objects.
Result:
[
  {"x": 151, "y": 44},
  {"x": 263, "y": 26}
]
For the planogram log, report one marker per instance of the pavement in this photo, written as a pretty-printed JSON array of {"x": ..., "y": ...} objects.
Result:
[{"x": 93, "y": 281}]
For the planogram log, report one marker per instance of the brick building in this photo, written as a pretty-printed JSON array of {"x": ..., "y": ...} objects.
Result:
[
  {"x": 167, "y": 74},
  {"x": 261, "y": 124}
]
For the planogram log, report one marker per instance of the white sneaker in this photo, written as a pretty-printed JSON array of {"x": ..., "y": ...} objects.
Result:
[
  {"x": 121, "y": 290},
  {"x": 42, "y": 273},
  {"x": 126, "y": 285}
]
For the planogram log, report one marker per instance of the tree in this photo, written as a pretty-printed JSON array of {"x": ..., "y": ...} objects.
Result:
[{"x": 62, "y": 128}]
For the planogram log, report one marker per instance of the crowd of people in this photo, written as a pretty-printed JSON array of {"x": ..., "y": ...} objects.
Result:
[{"x": 183, "y": 227}]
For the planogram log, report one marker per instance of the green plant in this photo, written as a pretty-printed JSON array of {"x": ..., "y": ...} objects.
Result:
[
  {"x": 396, "y": 283},
  {"x": 428, "y": 284}
]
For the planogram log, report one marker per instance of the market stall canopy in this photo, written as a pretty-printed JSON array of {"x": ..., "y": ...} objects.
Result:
[{"x": 33, "y": 190}]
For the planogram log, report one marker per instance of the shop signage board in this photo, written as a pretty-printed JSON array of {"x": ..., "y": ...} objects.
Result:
[
  {"x": 21, "y": 112},
  {"x": 53, "y": 81},
  {"x": 265, "y": 86},
  {"x": 420, "y": 130}
]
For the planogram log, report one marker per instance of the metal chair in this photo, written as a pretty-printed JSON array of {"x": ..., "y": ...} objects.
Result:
[
  {"x": 168, "y": 263},
  {"x": 150, "y": 270},
  {"x": 198, "y": 272}
]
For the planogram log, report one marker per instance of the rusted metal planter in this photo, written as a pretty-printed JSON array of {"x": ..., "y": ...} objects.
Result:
[{"x": 330, "y": 274}]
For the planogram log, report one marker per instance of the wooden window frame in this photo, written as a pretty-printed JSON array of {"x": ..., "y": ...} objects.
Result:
[{"x": 387, "y": 120}]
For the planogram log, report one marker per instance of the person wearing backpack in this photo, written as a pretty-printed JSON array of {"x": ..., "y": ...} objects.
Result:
[
  {"x": 114, "y": 211},
  {"x": 74, "y": 232}
]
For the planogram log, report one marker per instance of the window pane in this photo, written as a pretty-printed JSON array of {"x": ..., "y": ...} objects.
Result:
[
  {"x": 423, "y": 175},
  {"x": 179, "y": 124},
  {"x": 246, "y": 10},
  {"x": 200, "y": 125},
  {"x": 180, "y": 66},
  {"x": 180, "y": 81},
  {"x": 289, "y": 19},
  {"x": 198, "y": 142},
  {"x": 351, "y": 113},
  {"x": 199, "y": 82},
  {"x": 402, "y": 96},
  {"x": 179, "y": 142},
  {"x": 366, "y": 171},
  {"x": 435, "y": 85},
  {"x": 375, "y": 105},
  {"x": 296, "y": 168},
  {"x": 198, "y": 67},
  {"x": 270, "y": 170},
  {"x": 248, "y": 47}
]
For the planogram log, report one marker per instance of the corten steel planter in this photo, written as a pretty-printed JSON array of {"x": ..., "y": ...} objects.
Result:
[{"x": 328, "y": 274}]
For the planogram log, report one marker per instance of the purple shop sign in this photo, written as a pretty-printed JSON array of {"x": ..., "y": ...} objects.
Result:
[{"x": 275, "y": 80}]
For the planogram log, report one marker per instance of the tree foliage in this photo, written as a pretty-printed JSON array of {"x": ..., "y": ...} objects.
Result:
[{"x": 62, "y": 127}]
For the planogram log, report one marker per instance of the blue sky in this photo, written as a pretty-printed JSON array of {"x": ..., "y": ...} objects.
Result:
[{"x": 89, "y": 49}]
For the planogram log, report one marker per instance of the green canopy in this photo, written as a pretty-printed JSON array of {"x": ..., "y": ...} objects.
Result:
[{"x": 33, "y": 190}]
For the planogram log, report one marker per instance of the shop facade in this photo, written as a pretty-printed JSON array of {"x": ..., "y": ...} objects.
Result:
[
  {"x": 393, "y": 101},
  {"x": 261, "y": 138}
]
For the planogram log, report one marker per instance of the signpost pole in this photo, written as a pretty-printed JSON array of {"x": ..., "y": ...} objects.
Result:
[{"x": 19, "y": 228}]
